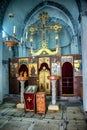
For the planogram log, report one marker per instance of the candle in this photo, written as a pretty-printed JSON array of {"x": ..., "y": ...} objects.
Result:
[
  {"x": 26, "y": 35},
  {"x": 21, "y": 40},
  {"x": 14, "y": 29},
  {"x": 6, "y": 38},
  {"x": 31, "y": 39}
]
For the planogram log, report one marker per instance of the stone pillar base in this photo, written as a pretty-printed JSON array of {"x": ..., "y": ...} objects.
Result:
[
  {"x": 53, "y": 107},
  {"x": 20, "y": 106}
]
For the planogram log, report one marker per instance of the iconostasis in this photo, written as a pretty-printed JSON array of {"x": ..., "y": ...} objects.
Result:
[{"x": 37, "y": 69}]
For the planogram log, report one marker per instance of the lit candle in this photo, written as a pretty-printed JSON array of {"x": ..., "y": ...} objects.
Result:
[
  {"x": 26, "y": 35},
  {"x": 56, "y": 37},
  {"x": 21, "y": 40},
  {"x": 14, "y": 29},
  {"x": 6, "y": 38},
  {"x": 31, "y": 39}
]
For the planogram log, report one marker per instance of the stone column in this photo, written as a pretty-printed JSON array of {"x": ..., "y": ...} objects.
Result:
[
  {"x": 21, "y": 105},
  {"x": 1, "y": 85},
  {"x": 84, "y": 58},
  {"x": 53, "y": 92},
  {"x": 53, "y": 105},
  {"x": 22, "y": 91},
  {"x": 22, "y": 82}
]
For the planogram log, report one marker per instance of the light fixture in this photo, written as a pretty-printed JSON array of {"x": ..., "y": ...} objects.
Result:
[
  {"x": 30, "y": 33},
  {"x": 11, "y": 42}
]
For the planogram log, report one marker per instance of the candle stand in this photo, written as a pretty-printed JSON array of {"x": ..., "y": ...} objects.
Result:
[
  {"x": 53, "y": 105},
  {"x": 22, "y": 82}
]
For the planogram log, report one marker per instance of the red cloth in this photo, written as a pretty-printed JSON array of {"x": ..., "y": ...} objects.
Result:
[{"x": 29, "y": 101}]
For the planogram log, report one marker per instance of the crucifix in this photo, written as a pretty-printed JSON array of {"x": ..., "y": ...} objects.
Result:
[{"x": 56, "y": 27}]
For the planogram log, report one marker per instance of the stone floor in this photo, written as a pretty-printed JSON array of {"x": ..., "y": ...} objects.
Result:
[{"x": 69, "y": 117}]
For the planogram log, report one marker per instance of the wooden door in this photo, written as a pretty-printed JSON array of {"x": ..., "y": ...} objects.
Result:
[
  {"x": 67, "y": 78},
  {"x": 44, "y": 82},
  {"x": 13, "y": 73}
]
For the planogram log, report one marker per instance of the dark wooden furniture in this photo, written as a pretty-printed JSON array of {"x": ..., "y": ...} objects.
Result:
[{"x": 68, "y": 70}]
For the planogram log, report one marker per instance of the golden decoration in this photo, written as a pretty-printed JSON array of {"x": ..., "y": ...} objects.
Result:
[
  {"x": 10, "y": 43},
  {"x": 56, "y": 27},
  {"x": 29, "y": 99}
]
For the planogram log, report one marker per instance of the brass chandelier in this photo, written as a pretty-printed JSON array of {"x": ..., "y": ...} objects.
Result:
[{"x": 12, "y": 41}]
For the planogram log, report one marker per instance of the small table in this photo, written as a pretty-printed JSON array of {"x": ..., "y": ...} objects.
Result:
[
  {"x": 53, "y": 105},
  {"x": 22, "y": 81}
]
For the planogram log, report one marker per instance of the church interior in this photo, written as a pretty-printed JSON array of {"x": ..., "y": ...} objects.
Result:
[{"x": 43, "y": 51}]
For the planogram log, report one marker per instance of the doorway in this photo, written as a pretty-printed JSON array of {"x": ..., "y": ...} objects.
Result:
[
  {"x": 23, "y": 69},
  {"x": 67, "y": 78},
  {"x": 44, "y": 82}
]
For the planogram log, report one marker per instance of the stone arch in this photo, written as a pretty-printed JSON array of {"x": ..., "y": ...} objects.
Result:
[{"x": 54, "y": 4}]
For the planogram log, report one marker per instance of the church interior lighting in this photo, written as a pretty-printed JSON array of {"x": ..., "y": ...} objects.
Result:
[{"x": 12, "y": 40}]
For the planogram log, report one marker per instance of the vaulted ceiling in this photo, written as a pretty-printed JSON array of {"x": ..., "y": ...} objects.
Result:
[{"x": 4, "y": 4}]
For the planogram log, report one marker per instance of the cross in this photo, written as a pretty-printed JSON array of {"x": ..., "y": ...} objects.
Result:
[
  {"x": 43, "y": 17},
  {"x": 29, "y": 99}
]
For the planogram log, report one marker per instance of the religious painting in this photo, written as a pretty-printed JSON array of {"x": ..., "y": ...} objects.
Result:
[
  {"x": 44, "y": 82},
  {"x": 78, "y": 67},
  {"x": 14, "y": 69},
  {"x": 23, "y": 71},
  {"x": 33, "y": 70},
  {"x": 56, "y": 69},
  {"x": 31, "y": 89}
]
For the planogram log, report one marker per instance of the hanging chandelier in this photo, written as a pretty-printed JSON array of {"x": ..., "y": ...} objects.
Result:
[
  {"x": 30, "y": 32},
  {"x": 11, "y": 42}
]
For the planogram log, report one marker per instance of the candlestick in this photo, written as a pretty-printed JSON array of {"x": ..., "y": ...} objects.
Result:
[
  {"x": 21, "y": 40},
  {"x": 14, "y": 29},
  {"x": 26, "y": 35}
]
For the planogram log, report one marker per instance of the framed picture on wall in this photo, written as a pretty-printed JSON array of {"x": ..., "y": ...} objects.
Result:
[
  {"x": 14, "y": 69},
  {"x": 33, "y": 70},
  {"x": 56, "y": 69},
  {"x": 78, "y": 67}
]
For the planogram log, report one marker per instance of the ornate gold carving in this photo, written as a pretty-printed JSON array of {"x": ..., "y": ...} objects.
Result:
[
  {"x": 44, "y": 83},
  {"x": 44, "y": 60},
  {"x": 45, "y": 50},
  {"x": 56, "y": 27},
  {"x": 43, "y": 17},
  {"x": 33, "y": 69},
  {"x": 23, "y": 61},
  {"x": 67, "y": 59},
  {"x": 10, "y": 43}
]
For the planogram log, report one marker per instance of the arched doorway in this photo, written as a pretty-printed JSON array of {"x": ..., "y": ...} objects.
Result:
[
  {"x": 23, "y": 68},
  {"x": 44, "y": 82},
  {"x": 67, "y": 78}
]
